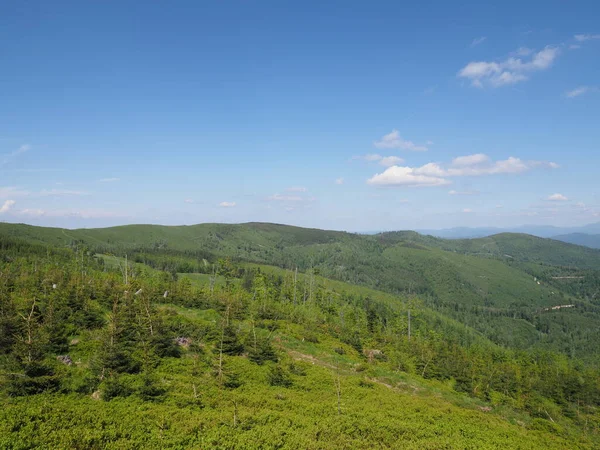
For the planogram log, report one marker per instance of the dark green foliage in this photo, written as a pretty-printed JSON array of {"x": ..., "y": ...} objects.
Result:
[
  {"x": 231, "y": 344},
  {"x": 277, "y": 376},
  {"x": 261, "y": 351},
  {"x": 116, "y": 386}
]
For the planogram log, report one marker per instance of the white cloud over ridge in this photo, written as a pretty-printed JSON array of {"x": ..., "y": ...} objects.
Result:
[
  {"x": 405, "y": 176},
  {"x": 7, "y": 206},
  {"x": 434, "y": 174},
  {"x": 509, "y": 71}
]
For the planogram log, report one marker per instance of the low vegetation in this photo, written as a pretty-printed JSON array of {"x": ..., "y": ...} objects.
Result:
[{"x": 97, "y": 352}]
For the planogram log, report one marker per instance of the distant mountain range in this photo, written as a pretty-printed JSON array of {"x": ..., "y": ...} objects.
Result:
[
  {"x": 587, "y": 235},
  {"x": 588, "y": 240}
]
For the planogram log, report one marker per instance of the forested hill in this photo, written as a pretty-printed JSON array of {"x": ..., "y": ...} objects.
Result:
[
  {"x": 247, "y": 240},
  {"x": 268, "y": 336},
  {"x": 503, "y": 286}
]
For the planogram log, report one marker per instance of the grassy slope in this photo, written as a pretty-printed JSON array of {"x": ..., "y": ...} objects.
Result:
[{"x": 419, "y": 414}]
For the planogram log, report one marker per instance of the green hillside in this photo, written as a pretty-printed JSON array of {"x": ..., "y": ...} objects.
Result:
[
  {"x": 262, "y": 357},
  {"x": 500, "y": 286}
]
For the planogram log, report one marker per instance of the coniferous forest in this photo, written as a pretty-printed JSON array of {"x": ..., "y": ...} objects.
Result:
[{"x": 393, "y": 341}]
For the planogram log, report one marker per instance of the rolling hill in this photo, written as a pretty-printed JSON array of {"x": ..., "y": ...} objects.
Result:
[
  {"x": 207, "y": 336},
  {"x": 503, "y": 286},
  {"x": 587, "y": 240}
]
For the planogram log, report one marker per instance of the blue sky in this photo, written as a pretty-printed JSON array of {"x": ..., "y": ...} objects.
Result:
[{"x": 345, "y": 115}]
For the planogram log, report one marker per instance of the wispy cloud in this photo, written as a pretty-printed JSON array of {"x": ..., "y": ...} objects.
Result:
[
  {"x": 524, "y": 51},
  {"x": 509, "y": 71},
  {"x": 557, "y": 198},
  {"x": 59, "y": 193},
  {"x": 90, "y": 213},
  {"x": 6, "y": 158},
  {"x": 11, "y": 191},
  {"x": 393, "y": 140},
  {"x": 478, "y": 41},
  {"x": 386, "y": 161},
  {"x": 109, "y": 180},
  {"x": 296, "y": 189},
  {"x": 339, "y": 181},
  {"x": 470, "y": 192},
  {"x": 580, "y": 91},
  {"x": 586, "y": 37},
  {"x": 7, "y": 206},
  {"x": 285, "y": 198},
  {"x": 227, "y": 204}
]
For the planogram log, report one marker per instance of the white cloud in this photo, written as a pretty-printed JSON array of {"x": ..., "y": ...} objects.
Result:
[
  {"x": 557, "y": 198},
  {"x": 386, "y": 161},
  {"x": 574, "y": 46},
  {"x": 285, "y": 198},
  {"x": 478, "y": 41},
  {"x": 405, "y": 176},
  {"x": 467, "y": 210},
  {"x": 372, "y": 157},
  {"x": 395, "y": 141},
  {"x": 510, "y": 71},
  {"x": 339, "y": 181},
  {"x": 434, "y": 174},
  {"x": 31, "y": 212},
  {"x": 227, "y": 204},
  {"x": 22, "y": 149},
  {"x": 580, "y": 91},
  {"x": 189, "y": 200},
  {"x": 296, "y": 189},
  {"x": 586, "y": 37},
  {"x": 108, "y": 180},
  {"x": 8, "y": 204},
  {"x": 524, "y": 51},
  {"x": 470, "y": 160}
]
